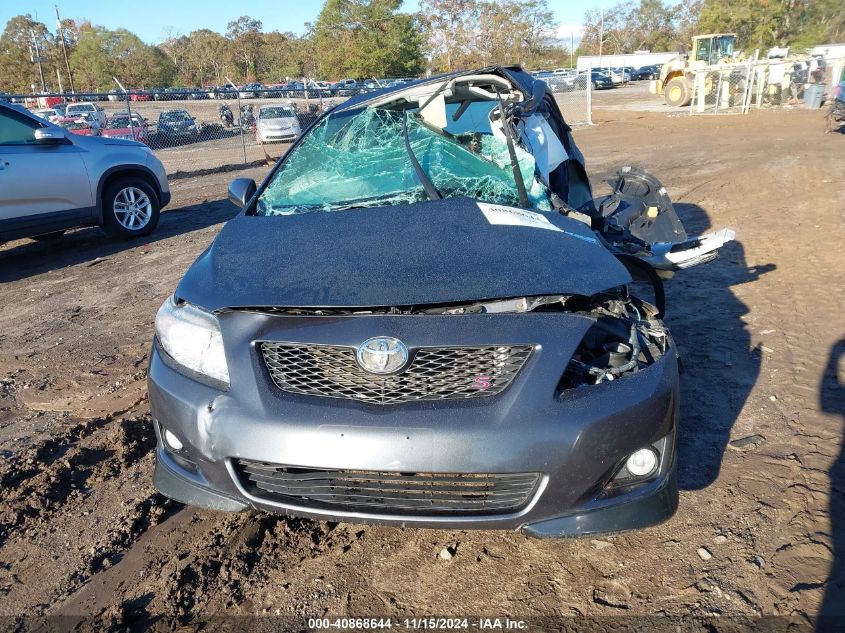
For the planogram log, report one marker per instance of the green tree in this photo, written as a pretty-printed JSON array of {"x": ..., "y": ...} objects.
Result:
[
  {"x": 206, "y": 55},
  {"x": 450, "y": 29},
  {"x": 279, "y": 58},
  {"x": 17, "y": 72},
  {"x": 366, "y": 38},
  {"x": 465, "y": 33},
  {"x": 645, "y": 25},
  {"x": 102, "y": 54},
  {"x": 245, "y": 36},
  {"x": 765, "y": 23}
]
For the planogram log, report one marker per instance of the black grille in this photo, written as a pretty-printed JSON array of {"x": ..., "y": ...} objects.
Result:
[
  {"x": 434, "y": 373},
  {"x": 428, "y": 494}
]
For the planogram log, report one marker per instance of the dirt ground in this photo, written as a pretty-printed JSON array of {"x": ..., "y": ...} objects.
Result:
[{"x": 761, "y": 526}]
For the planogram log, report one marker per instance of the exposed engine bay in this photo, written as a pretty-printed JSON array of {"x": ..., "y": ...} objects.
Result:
[{"x": 627, "y": 335}]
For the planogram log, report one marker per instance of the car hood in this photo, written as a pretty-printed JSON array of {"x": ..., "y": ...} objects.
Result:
[
  {"x": 441, "y": 252},
  {"x": 93, "y": 142},
  {"x": 286, "y": 121}
]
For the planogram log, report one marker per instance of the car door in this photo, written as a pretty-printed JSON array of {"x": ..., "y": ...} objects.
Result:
[{"x": 39, "y": 181}]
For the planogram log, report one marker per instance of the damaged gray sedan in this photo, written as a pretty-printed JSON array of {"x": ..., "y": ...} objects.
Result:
[{"x": 422, "y": 317}]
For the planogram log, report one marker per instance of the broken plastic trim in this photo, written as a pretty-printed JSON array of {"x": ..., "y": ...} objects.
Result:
[{"x": 691, "y": 252}]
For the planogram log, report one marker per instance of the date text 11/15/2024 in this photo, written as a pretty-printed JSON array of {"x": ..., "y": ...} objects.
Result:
[{"x": 423, "y": 623}]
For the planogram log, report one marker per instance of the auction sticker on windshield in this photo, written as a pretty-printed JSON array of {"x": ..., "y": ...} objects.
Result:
[{"x": 498, "y": 214}]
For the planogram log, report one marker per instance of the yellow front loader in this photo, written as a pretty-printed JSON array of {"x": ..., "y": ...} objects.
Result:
[{"x": 677, "y": 75}]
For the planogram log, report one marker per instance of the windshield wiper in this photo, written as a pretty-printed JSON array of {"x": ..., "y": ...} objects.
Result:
[
  {"x": 517, "y": 175},
  {"x": 430, "y": 189}
]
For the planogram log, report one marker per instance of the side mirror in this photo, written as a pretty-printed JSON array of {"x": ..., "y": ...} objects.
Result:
[
  {"x": 240, "y": 191},
  {"x": 49, "y": 136}
]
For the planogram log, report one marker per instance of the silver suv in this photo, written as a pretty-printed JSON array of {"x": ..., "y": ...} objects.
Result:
[{"x": 52, "y": 180}]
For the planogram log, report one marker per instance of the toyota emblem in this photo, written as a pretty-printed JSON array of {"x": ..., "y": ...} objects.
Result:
[{"x": 382, "y": 355}]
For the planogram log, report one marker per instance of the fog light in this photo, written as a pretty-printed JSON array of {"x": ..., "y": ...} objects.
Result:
[
  {"x": 173, "y": 442},
  {"x": 642, "y": 462}
]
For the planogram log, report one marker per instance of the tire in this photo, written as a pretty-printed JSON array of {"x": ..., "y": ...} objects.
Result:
[
  {"x": 47, "y": 237},
  {"x": 124, "y": 218},
  {"x": 677, "y": 92}
]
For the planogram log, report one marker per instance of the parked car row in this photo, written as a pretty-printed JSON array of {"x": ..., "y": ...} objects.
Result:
[
  {"x": 597, "y": 79},
  {"x": 276, "y": 122},
  {"x": 288, "y": 90},
  {"x": 89, "y": 119},
  {"x": 569, "y": 79}
]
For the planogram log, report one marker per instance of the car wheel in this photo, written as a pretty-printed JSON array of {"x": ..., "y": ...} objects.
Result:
[
  {"x": 130, "y": 208},
  {"x": 48, "y": 236}
]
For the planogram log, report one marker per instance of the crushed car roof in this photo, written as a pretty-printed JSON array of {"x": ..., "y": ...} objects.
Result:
[{"x": 513, "y": 73}]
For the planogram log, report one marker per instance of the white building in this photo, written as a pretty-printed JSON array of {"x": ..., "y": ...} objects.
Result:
[
  {"x": 829, "y": 51},
  {"x": 636, "y": 59}
]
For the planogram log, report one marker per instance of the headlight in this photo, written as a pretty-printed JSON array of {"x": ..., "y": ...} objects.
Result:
[{"x": 192, "y": 337}]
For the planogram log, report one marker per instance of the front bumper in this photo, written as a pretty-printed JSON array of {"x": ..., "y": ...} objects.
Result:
[
  {"x": 576, "y": 440},
  {"x": 276, "y": 136},
  {"x": 186, "y": 133}
]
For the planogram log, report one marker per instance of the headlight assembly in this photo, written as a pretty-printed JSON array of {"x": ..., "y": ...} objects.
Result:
[{"x": 191, "y": 337}]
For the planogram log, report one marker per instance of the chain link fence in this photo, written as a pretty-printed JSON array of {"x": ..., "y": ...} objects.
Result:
[
  {"x": 193, "y": 129},
  {"x": 199, "y": 130},
  {"x": 573, "y": 96},
  {"x": 724, "y": 90},
  {"x": 736, "y": 88}
]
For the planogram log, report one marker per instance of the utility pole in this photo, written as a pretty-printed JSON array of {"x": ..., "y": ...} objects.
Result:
[
  {"x": 64, "y": 47},
  {"x": 601, "y": 37},
  {"x": 571, "y": 47},
  {"x": 35, "y": 56}
]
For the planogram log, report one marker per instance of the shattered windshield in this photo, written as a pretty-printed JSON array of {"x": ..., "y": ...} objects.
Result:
[
  {"x": 119, "y": 122},
  {"x": 359, "y": 159},
  {"x": 175, "y": 115},
  {"x": 276, "y": 113}
]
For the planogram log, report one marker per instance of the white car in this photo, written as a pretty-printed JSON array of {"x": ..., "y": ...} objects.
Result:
[
  {"x": 276, "y": 123},
  {"x": 86, "y": 108},
  {"x": 615, "y": 78},
  {"x": 48, "y": 114}
]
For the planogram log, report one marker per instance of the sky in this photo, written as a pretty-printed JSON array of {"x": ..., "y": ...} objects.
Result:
[{"x": 150, "y": 19}]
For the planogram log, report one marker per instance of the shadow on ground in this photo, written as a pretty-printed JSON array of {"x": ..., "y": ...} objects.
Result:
[
  {"x": 720, "y": 366},
  {"x": 832, "y": 401},
  {"x": 29, "y": 258}
]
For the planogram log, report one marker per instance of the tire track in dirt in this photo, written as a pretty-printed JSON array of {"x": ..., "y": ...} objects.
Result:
[
  {"x": 70, "y": 483},
  {"x": 43, "y": 479}
]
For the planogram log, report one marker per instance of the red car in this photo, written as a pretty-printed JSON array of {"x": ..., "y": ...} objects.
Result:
[
  {"x": 78, "y": 125},
  {"x": 140, "y": 95},
  {"x": 118, "y": 127}
]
